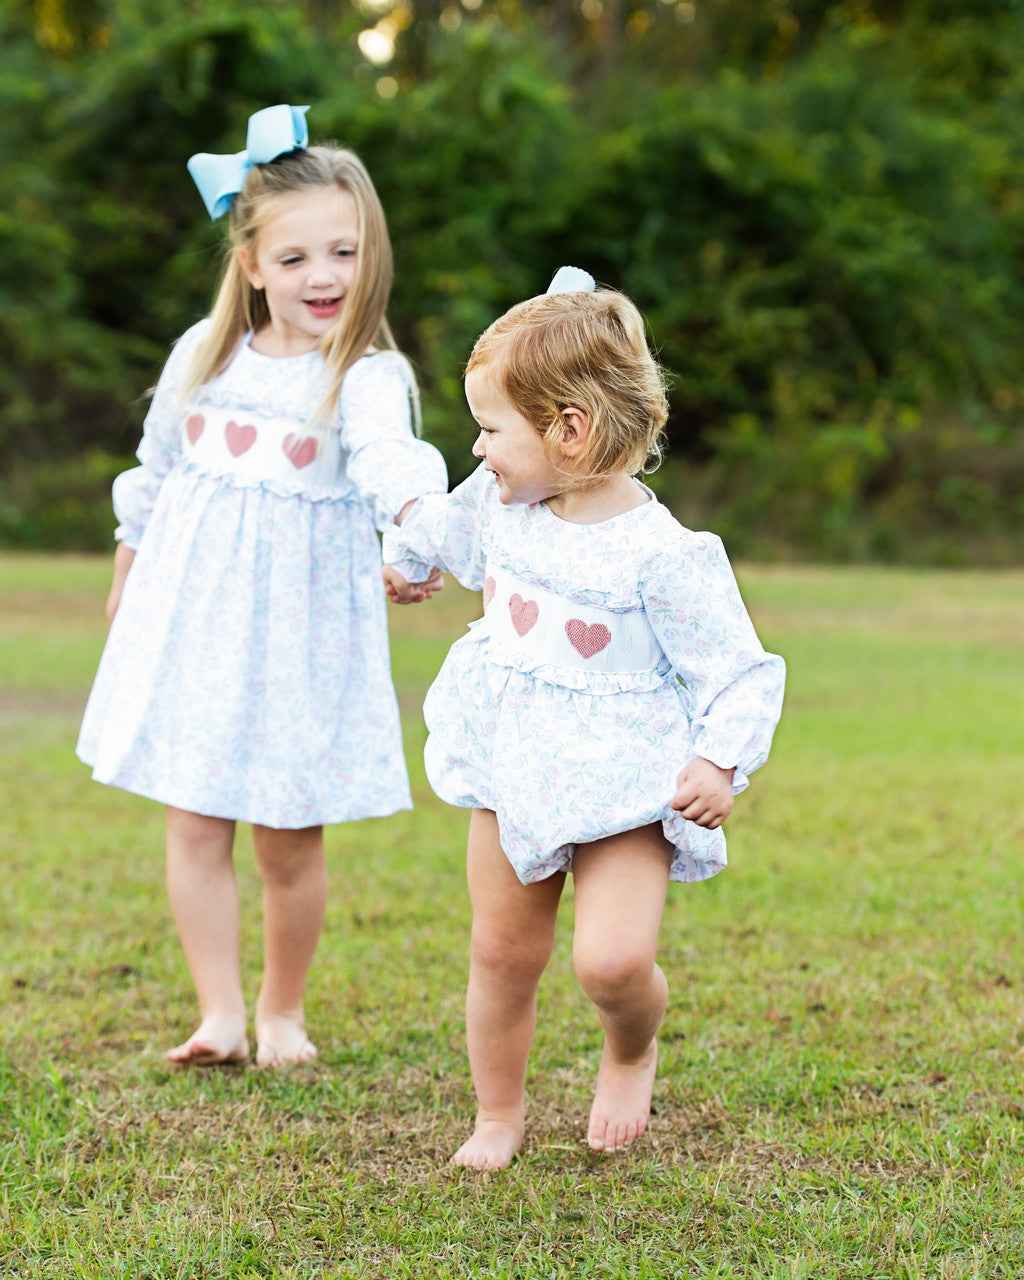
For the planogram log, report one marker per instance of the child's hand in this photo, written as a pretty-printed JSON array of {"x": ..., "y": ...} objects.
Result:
[
  {"x": 398, "y": 591},
  {"x": 704, "y": 793}
]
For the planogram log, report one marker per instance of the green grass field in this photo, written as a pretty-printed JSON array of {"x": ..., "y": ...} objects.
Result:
[{"x": 841, "y": 1084}]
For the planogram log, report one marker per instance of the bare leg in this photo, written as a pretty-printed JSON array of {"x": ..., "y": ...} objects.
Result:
[
  {"x": 204, "y": 902},
  {"x": 620, "y": 887},
  {"x": 294, "y": 873},
  {"x": 513, "y": 933}
]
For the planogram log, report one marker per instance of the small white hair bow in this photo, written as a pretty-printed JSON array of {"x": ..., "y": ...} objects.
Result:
[{"x": 572, "y": 280}]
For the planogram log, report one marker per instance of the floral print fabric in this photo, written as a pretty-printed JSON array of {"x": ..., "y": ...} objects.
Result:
[
  {"x": 562, "y": 754},
  {"x": 246, "y": 674}
]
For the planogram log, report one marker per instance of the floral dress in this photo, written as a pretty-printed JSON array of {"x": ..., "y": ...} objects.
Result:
[
  {"x": 608, "y": 656},
  {"x": 246, "y": 674}
]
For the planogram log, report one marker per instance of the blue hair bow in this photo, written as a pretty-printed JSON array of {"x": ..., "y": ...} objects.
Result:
[
  {"x": 571, "y": 280},
  {"x": 273, "y": 132}
]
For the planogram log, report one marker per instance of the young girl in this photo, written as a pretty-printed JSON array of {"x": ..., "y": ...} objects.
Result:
[
  {"x": 246, "y": 675},
  {"x": 601, "y": 715}
]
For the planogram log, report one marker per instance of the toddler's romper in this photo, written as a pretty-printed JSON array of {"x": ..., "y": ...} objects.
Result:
[
  {"x": 246, "y": 674},
  {"x": 608, "y": 656}
]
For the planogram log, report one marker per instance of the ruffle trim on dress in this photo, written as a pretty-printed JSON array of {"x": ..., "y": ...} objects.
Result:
[
  {"x": 727, "y": 756},
  {"x": 571, "y": 591},
  {"x": 269, "y": 484},
  {"x": 697, "y": 855},
  {"x": 594, "y": 682}
]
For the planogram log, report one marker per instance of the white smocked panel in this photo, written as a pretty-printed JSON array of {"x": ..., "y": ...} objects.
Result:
[{"x": 563, "y": 742}]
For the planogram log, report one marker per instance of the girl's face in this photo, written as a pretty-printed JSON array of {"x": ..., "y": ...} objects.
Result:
[
  {"x": 511, "y": 448},
  {"x": 305, "y": 262}
]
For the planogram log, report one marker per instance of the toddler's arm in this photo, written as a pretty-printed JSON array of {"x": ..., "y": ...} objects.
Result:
[
  {"x": 733, "y": 687},
  {"x": 449, "y": 531},
  {"x": 704, "y": 793}
]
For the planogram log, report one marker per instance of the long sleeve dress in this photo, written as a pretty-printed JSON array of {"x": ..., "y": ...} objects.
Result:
[
  {"x": 608, "y": 656},
  {"x": 246, "y": 674}
]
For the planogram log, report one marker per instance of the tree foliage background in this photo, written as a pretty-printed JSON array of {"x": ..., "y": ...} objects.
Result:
[{"x": 818, "y": 204}]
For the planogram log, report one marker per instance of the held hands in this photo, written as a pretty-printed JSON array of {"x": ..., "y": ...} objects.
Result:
[
  {"x": 704, "y": 793},
  {"x": 398, "y": 591}
]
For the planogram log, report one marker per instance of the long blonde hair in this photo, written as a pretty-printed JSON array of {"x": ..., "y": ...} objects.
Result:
[
  {"x": 241, "y": 308},
  {"x": 586, "y": 351}
]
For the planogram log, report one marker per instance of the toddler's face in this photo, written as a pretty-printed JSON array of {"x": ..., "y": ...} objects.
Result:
[{"x": 511, "y": 448}]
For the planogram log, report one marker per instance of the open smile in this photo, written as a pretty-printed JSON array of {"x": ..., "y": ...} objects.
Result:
[{"x": 322, "y": 308}]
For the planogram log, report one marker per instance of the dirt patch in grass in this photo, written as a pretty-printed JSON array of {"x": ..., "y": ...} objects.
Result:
[{"x": 390, "y": 1135}]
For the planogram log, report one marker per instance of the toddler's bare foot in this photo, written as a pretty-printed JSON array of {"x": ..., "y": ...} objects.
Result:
[
  {"x": 281, "y": 1040},
  {"x": 218, "y": 1042},
  {"x": 492, "y": 1144},
  {"x": 622, "y": 1100}
]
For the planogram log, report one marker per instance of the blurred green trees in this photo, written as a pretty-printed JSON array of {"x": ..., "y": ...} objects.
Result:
[{"x": 819, "y": 207}]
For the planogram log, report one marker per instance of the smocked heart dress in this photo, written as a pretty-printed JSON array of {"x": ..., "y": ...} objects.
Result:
[
  {"x": 246, "y": 674},
  {"x": 607, "y": 657}
]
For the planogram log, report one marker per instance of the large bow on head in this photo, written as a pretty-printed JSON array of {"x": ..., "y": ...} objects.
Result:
[{"x": 273, "y": 132}]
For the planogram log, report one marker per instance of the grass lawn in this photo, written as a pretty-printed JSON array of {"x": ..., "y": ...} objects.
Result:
[{"x": 841, "y": 1084}]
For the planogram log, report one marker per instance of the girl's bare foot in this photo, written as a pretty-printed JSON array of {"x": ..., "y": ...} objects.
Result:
[
  {"x": 622, "y": 1100},
  {"x": 281, "y": 1041},
  {"x": 218, "y": 1042},
  {"x": 492, "y": 1144}
]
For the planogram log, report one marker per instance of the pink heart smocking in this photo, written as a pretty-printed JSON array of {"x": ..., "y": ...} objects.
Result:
[
  {"x": 194, "y": 427},
  {"x": 488, "y": 591},
  {"x": 301, "y": 450},
  {"x": 524, "y": 613},
  {"x": 587, "y": 640},
  {"x": 239, "y": 439}
]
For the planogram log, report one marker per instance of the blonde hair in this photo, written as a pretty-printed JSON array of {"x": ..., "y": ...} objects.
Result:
[
  {"x": 586, "y": 351},
  {"x": 240, "y": 307}
]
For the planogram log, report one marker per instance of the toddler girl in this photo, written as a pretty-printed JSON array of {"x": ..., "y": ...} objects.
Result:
[
  {"x": 601, "y": 715},
  {"x": 246, "y": 675}
]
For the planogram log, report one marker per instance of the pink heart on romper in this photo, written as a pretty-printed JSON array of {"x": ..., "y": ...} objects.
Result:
[
  {"x": 239, "y": 439},
  {"x": 587, "y": 640},
  {"x": 524, "y": 613},
  {"x": 301, "y": 450},
  {"x": 194, "y": 427},
  {"x": 488, "y": 591}
]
